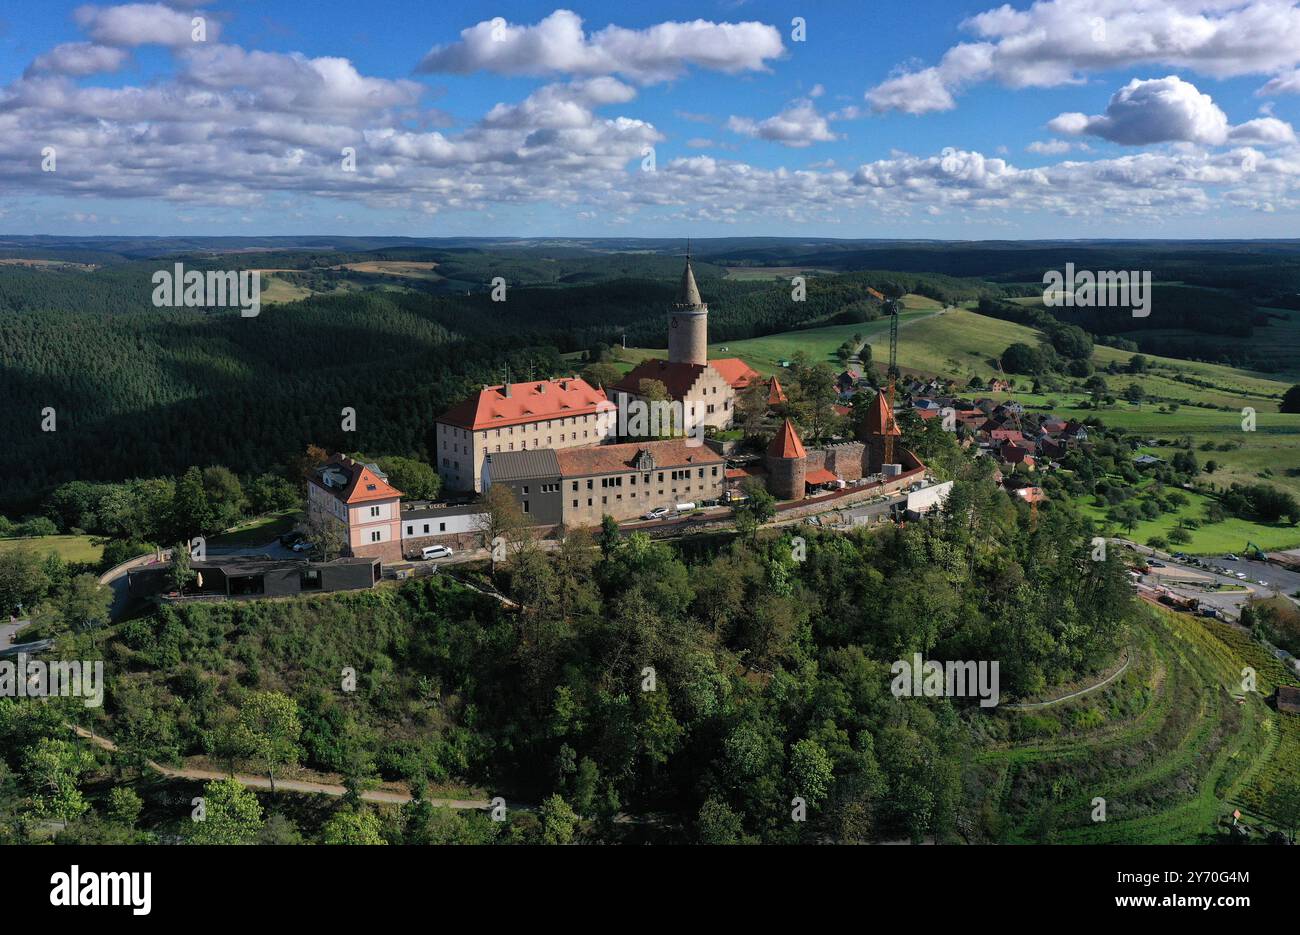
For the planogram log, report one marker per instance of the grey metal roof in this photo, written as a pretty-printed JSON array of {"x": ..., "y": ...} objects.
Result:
[
  {"x": 523, "y": 465},
  {"x": 426, "y": 510}
]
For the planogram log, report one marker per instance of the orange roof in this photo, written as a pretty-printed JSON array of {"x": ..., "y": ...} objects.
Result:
[
  {"x": 735, "y": 371},
  {"x": 677, "y": 378},
  {"x": 820, "y": 476},
  {"x": 526, "y": 402},
  {"x": 361, "y": 482},
  {"x": 786, "y": 443},
  {"x": 611, "y": 459},
  {"x": 878, "y": 416},
  {"x": 775, "y": 394}
]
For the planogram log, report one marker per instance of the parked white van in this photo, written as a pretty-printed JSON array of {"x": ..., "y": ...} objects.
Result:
[
  {"x": 685, "y": 507},
  {"x": 435, "y": 551}
]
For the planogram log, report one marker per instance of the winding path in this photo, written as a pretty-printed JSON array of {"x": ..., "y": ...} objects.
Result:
[
  {"x": 282, "y": 785},
  {"x": 1075, "y": 694}
]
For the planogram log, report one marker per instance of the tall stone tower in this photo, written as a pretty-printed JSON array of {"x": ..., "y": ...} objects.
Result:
[{"x": 688, "y": 326}]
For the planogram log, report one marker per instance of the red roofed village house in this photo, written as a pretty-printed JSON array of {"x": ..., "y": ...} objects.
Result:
[
  {"x": 562, "y": 413},
  {"x": 359, "y": 498}
]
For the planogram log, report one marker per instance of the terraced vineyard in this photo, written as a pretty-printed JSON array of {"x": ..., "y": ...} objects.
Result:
[{"x": 1172, "y": 746}]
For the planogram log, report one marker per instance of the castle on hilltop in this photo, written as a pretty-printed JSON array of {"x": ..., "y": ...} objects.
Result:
[{"x": 706, "y": 389}]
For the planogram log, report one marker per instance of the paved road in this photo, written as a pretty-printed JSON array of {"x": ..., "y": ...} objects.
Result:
[
  {"x": 1185, "y": 579},
  {"x": 7, "y": 631}
]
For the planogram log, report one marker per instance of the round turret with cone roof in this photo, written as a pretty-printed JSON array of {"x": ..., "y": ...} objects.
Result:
[
  {"x": 688, "y": 325},
  {"x": 786, "y": 469}
]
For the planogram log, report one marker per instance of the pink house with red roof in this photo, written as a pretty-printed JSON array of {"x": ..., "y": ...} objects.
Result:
[{"x": 360, "y": 500}]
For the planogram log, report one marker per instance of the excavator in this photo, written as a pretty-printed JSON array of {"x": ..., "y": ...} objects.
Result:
[{"x": 1253, "y": 551}]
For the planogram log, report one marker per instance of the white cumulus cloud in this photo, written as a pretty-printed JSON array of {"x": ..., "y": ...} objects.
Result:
[
  {"x": 559, "y": 44},
  {"x": 797, "y": 126},
  {"x": 1165, "y": 110},
  {"x": 1058, "y": 42}
]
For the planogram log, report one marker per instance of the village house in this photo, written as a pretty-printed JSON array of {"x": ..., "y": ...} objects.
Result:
[{"x": 360, "y": 502}]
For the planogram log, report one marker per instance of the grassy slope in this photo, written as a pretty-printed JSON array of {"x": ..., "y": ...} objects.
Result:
[
  {"x": 819, "y": 343},
  {"x": 1168, "y": 745},
  {"x": 961, "y": 343},
  {"x": 68, "y": 548},
  {"x": 1231, "y": 535}
]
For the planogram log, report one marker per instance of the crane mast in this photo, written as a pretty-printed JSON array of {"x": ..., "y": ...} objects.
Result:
[{"x": 891, "y": 306}]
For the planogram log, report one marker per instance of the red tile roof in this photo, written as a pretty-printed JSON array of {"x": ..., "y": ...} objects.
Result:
[
  {"x": 611, "y": 459},
  {"x": 361, "y": 483},
  {"x": 820, "y": 476},
  {"x": 775, "y": 395},
  {"x": 786, "y": 443},
  {"x": 678, "y": 377},
  {"x": 878, "y": 417},
  {"x": 735, "y": 371},
  {"x": 527, "y": 402},
  {"x": 1007, "y": 435}
]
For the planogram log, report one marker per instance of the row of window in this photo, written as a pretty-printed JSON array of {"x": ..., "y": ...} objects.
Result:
[
  {"x": 456, "y": 432},
  {"x": 632, "y": 496},
  {"x": 410, "y": 529}
]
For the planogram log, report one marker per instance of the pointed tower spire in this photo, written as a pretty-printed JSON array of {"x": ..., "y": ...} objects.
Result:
[
  {"x": 688, "y": 293},
  {"x": 688, "y": 323}
]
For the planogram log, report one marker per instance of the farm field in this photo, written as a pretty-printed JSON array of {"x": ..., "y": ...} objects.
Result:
[
  {"x": 405, "y": 268},
  {"x": 744, "y": 273},
  {"x": 277, "y": 290},
  {"x": 1172, "y": 746},
  {"x": 764, "y": 353},
  {"x": 48, "y": 264},
  {"x": 961, "y": 344},
  {"x": 68, "y": 548}
]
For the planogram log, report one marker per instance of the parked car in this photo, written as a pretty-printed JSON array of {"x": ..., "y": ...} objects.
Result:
[
  {"x": 435, "y": 551},
  {"x": 658, "y": 512},
  {"x": 1230, "y": 557},
  {"x": 1157, "y": 564},
  {"x": 289, "y": 538},
  {"x": 302, "y": 545},
  {"x": 1241, "y": 575}
]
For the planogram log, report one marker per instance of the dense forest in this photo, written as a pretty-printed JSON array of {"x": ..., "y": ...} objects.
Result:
[
  {"x": 697, "y": 688},
  {"x": 139, "y": 391}
]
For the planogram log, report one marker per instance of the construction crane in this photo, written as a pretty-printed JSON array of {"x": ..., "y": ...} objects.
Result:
[{"x": 891, "y": 308}]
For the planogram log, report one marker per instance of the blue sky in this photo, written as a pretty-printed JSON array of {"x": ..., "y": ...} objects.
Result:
[{"x": 1068, "y": 118}]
